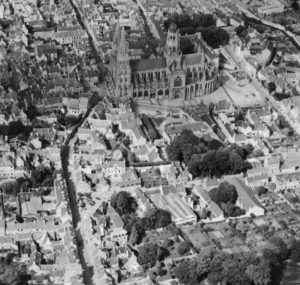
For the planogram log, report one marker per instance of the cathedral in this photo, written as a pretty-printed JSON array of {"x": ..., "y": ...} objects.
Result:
[{"x": 172, "y": 76}]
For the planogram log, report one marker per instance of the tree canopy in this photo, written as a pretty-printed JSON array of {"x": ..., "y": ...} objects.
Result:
[
  {"x": 15, "y": 128},
  {"x": 224, "y": 193},
  {"x": 154, "y": 219},
  {"x": 157, "y": 218},
  {"x": 12, "y": 272},
  {"x": 215, "y": 37},
  {"x": 220, "y": 267},
  {"x": 148, "y": 254},
  {"x": 184, "y": 248},
  {"x": 226, "y": 196},
  {"x": 190, "y": 24},
  {"x": 123, "y": 203},
  {"x": 208, "y": 158},
  {"x": 295, "y": 5}
]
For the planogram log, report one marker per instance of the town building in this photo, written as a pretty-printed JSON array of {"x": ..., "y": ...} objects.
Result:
[{"x": 246, "y": 198}]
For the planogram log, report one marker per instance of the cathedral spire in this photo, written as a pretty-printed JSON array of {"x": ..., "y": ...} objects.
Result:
[
  {"x": 123, "y": 43},
  {"x": 172, "y": 49},
  {"x": 117, "y": 32}
]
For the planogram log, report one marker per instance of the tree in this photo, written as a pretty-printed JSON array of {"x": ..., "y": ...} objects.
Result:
[
  {"x": 240, "y": 30},
  {"x": 208, "y": 157},
  {"x": 123, "y": 203},
  {"x": 173, "y": 229},
  {"x": 271, "y": 256},
  {"x": 12, "y": 272},
  {"x": 224, "y": 193},
  {"x": 162, "y": 253},
  {"x": 158, "y": 218},
  {"x": 137, "y": 232},
  {"x": 295, "y": 5},
  {"x": 261, "y": 190},
  {"x": 215, "y": 37},
  {"x": 129, "y": 220},
  {"x": 147, "y": 254},
  {"x": 281, "y": 246},
  {"x": 183, "y": 248},
  {"x": 295, "y": 251},
  {"x": 234, "y": 268},
  {"x": 271, "y": 87},
  {"x": 260, "y": 274},
  {"x": 203, "y": 20},
  {"x": 188, "y": 24},
  {"x": 184, "y": 273},
  {"x": 32, "y": 112},
  {"x": 186, "y": 45}
]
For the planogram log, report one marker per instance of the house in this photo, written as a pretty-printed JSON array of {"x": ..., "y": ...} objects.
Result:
[
  {"x": 31, "y": 208},
  {"x": 116, "y": 233},
  {"x": 70, "y": 36},
  {"x": 114, "y": 169},
  {"x": 176, "y": 176},
  {"x": 258, "y": 127},
  {"x": 129, "y": 179},
  {"x": 14, "y": 229},
  {"x": 132, "y": 266},
  {"x": 147, "y": 152},
  {"x": 286, "y": 181},
  {"x": 133, "y": 131},
  {"x": 224, "y": 106},
  {"x": 76, "y": 106},
  {"x": 231, "y": 135},
  {"x": 50, "y": 119},
  {"x": 275, "y": 7},
  {"x": 2, "y": 227},
  {"x": 152, "y": 178},
  {"x": 8, "y": 245},
  {"x": 236, "y": 21},
  {"x": 142, "y": 280},
  {"x": 47, "y": 50},
  {"x": 257, "y": 180},
  {"x": 45, "y": 133},
  {"x": 291, "y": 162},
  {"x": 7, "y": 167},
  {"x": 101, "y": 126},
  {"x": 243, "y": 128},
  {"x": 265, "y": 115},
  {"x": 246, "y": 198},
  {"x": 180, "y": 212},
  {"x": 214, "y": 212},
  {"x": 92, "y": 77}
]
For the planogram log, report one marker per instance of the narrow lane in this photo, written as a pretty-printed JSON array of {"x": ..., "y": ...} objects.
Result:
[{"x": 65, "y": 153}]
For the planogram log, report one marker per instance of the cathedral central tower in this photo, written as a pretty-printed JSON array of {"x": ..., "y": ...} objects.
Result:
[{"x": 172, "y": 49}]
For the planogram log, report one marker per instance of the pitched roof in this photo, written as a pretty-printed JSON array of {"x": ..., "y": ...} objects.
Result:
[
  {"x": 192, "y": 59},
  {"x": 146, "y": 64},
  {"x": 245, "y": 194}
]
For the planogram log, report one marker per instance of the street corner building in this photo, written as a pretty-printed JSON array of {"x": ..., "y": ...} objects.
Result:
[{"x": 173, "y": 76}]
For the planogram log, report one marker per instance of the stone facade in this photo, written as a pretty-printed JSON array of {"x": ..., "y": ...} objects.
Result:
[{"x": 173, "y": 76}]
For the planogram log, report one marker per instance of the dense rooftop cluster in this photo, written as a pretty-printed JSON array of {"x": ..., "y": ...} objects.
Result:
[{"x": 149, "y": 142}]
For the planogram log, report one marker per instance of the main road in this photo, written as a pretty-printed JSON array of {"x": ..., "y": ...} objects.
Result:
[{"x": 65, "y": 153}]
